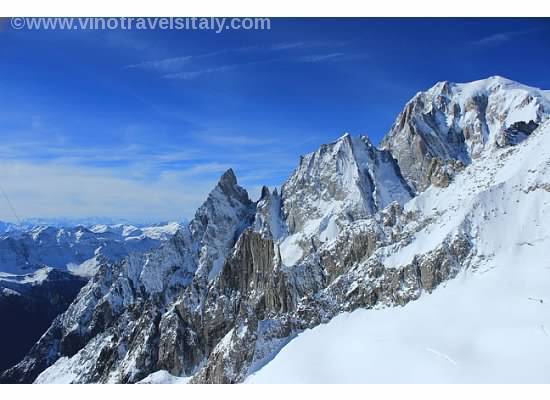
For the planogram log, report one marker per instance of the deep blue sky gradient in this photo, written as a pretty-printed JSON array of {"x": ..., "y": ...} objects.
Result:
[{"x": 254, "y": 100}]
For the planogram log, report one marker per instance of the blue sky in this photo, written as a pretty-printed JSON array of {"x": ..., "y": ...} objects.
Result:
[{"x": 140, "y": 124}]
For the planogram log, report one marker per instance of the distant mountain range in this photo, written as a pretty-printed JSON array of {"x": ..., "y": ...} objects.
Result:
[
  {"x": 67, "y": 222},
  {"x": 43, "y": 267}
]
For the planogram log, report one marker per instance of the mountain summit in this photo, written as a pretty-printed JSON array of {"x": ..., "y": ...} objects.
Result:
[{"x": 446, "y": 127}]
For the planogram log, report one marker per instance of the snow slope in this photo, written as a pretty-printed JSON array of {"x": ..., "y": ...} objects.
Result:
[
  {"x": 163, "y": 377},
  {"x": 490, "y": 324},
  {"x": 489, "y": 328}
]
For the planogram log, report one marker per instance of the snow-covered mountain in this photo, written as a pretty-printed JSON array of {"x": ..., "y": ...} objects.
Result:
[
  {"x": 456, "y": 197},
  {"x": 64, "y": 222},
  {"x": 448, "y": 126},
  {"x": 42, "y": 268},
  {"x": 341, "y": 182},
  {"x": 6, "y": 227},
  {"x": 78, "y": 249},
  {"x": 490, "y": 324}
]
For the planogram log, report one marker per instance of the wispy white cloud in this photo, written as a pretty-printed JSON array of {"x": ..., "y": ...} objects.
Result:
[
  {"x": 232, "y": 139},
  {"x": 202, "y": 169},
  {"x": 188, "y": 75},
  {"x": 165, "y": 64},
  {"x": 321, "y": 57},
  {"x": 133, "y": 182},
  {"x": 135, "y": 175},
  {"x": 40, "y": 149},
  {"x": 287, "y": 45},
  {"x": 307, "y": 45},
  {"x": 174, "y": 63},
  {"x": 58, "y": 189},
  {"x": 499, "y": 38},
  {"x": 312, "y": 58}
]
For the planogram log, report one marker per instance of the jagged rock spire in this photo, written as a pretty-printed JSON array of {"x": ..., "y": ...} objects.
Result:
[
  {"x": 228, "y": 178},
  {"x": 265, "y": 193},
  {"x": 218, "y": 221},
  {"x": 229, "y": 186}
]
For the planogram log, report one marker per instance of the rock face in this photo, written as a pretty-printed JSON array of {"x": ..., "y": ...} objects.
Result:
[
  {"x": 455, "y": 123},
  {"x": 226, "y": 293},
  {"x": 28, "y": 305},
  {"x": 342, "y": 182},
  {"x": 218, "y": 223},
  {"x": 349, "y": 179},
  {"x": 268, "y": 220}
]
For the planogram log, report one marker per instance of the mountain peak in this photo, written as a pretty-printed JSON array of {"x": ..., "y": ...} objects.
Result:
[
  {"x": 346, "y": 137},
  {"x": 489, "y": 79},
  {"x": 228, "y": 184},
  {"x": 491, "y": 83},
  {"x": 458, "y": 122},
  {"x": 217, "y": 223},
  {"x": 265, "y": 193},
  {"x": 228, "y": 178},
  {"x": 351, "y": 172},
  {"x": 499, "y": 78}
]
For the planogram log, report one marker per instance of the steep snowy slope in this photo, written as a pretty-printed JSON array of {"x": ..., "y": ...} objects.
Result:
[
  {"x": 447, "y": 126},
  {"x": 489, "y": 324},
  {"x": 486, "y": 328},
  {"x": 163, "y": 377}
]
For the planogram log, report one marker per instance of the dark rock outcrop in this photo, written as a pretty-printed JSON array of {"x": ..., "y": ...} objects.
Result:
[{"x": 28, "y": 309}]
